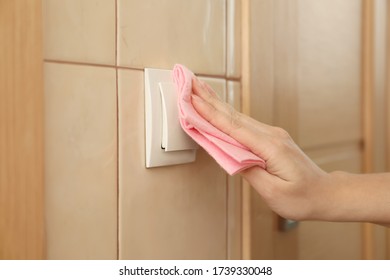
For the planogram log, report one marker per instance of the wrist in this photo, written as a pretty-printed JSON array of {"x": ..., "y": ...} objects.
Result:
[
  {"x": 329, "y": 192},
  {"x": 344, "y": 198}
]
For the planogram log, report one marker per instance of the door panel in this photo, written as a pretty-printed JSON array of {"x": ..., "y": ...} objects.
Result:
[
  {"x": 305, "y": 65},
  {"x": 329, "y": 51},
  {"x": 21, "y": 131}
]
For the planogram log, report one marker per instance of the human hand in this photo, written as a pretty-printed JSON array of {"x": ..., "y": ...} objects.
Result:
[{"x": 292, "y": 185}]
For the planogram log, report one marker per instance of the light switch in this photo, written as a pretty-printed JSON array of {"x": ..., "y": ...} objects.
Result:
[
  {"x": 166, "y": 142},
  {"x": 173, "y": 136}
]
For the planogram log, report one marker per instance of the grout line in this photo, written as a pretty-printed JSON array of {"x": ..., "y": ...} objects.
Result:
[
  {"x": 117, "y": 158},
  {"x": 212, "y": 76},
  {"x": 227, "y": 29},
  {"x": 227, "y": 218},
  {"x": 78, "y": 63},
  {"x": 116, "y": 33},
  {"x": 129, "y": 68},
  {"x": 240, "y": 213},
  {"x": 117, "y": 134},
  {"x": 215, "y": 76}
]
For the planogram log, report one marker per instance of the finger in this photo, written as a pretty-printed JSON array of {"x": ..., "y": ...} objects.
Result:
[
  {"x": 252, "y": 134},
  {"x": 211, "y": 90},
  {"x": 231, "y": 124},
  {"x": 262, "y": 181},
  {"x": 204, "y": 91},
  {"x": 208, "y": 88}
]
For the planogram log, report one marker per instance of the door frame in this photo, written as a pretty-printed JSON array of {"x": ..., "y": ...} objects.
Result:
[{"x": 21, "y": 130}]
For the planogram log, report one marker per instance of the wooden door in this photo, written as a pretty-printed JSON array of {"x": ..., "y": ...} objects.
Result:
[
  {"x": 21, "y": 131},
  {"x": 308, "y": 65}
]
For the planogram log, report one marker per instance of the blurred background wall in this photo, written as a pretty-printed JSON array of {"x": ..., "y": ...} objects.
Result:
[{"x": 319, "y": 69}]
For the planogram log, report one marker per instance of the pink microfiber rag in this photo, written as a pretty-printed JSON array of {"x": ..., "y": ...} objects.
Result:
[{"x": 230, "y": 154}]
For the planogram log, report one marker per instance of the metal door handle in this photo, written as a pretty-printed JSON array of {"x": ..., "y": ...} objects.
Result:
[{"x": 286, "y": 224}]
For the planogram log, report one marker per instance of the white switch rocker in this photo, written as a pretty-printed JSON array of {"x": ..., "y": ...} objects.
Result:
[{"x": 166, "y": 142}]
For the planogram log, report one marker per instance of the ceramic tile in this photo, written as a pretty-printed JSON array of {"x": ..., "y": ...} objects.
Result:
[
  {"x": 234, "y": 217},
  {"x": 172, "y": 212},
  {"x": 234, "y": 189},
  {"x": 158, "y": 34},
  {"x": 233, "y": 35},
  {"x": 80, "y": 30},
  {"x": 81, "y": 162}
]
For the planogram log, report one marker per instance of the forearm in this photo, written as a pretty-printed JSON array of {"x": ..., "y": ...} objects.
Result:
[{"x": 356, "y": 197}]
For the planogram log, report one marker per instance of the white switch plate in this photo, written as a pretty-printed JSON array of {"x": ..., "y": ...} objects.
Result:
[{"x": 179, "y": 148}]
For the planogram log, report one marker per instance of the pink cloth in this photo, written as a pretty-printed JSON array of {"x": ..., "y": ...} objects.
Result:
[{"x": 230, "y": 154}]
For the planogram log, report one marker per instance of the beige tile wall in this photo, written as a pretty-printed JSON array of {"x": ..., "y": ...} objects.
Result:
[
  {"x": 157, "y": 34},
  {"x": 80, "y": 161},
  {"x": 170, "y": 212},
  {"x": 101, "y": 201},
  {"x": 80, "y": 31}
]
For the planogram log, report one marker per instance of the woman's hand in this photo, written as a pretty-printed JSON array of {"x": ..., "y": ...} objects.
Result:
[{"x": 292, "y": 185}]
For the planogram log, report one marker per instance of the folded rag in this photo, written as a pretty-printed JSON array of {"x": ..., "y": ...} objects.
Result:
[{"x": 230, "y": 154}]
